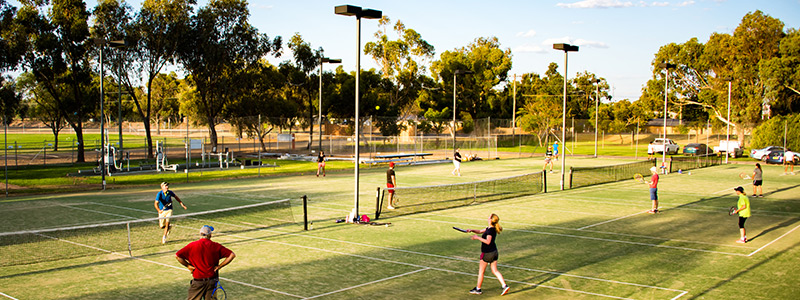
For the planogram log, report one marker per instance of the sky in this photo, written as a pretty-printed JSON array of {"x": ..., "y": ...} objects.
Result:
[{"x": 618, "y": 39}]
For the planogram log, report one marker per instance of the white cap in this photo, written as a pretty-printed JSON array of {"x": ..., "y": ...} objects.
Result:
[
  {"x": 653, "y": 169},
  {"x": 206, "y": 230}
]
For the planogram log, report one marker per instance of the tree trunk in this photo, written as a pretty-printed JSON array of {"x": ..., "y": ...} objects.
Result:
[
  {"x": 78, "y": 127},
  {"x": 212, "y": 132}
]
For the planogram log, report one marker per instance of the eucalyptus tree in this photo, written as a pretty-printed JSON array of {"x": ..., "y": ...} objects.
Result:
[
  {"x": 302, "y": 80},
  {"x": 490, "y": 64},
  {"x": 704, "y": 70},
  {"x": 58, "y": 57},
  {"x": 404, "y": 61},
  {"x": 42, "y": 105},
  {"x": 219, "y": 46}
]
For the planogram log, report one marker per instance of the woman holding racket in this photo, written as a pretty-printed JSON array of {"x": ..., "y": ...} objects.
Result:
[
  {"x": 757, "y": 180},
  {"x": 653, "y": 190},
  {"x": 743, "y": 209},
  {"x": 489, "y": 253}
]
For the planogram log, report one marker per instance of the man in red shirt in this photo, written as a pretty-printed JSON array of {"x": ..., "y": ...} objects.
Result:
[
  {"x": 653, "y": 190},
  {"x": 202, "y": 258}
]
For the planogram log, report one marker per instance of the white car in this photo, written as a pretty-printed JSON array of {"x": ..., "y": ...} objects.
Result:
[
  {"x": 730, "y": 148},
  {"x": 760, "y": 154},
  {"x": 658, "y": 145}
]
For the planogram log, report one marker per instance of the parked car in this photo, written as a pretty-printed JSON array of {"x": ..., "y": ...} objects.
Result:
[
  {"x": 776, "y": 157},
  {"x": 761, "y": 154},
  {"x": 730, "y": 148},
  {"x": 658, "y": 145},
  {"x": 696, "y": 149}
]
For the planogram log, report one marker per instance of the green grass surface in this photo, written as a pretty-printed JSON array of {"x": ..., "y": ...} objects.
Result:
[{"x": 587, "y": 243}]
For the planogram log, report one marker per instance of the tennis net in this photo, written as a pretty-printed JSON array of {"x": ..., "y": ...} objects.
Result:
[
  {"x": 680, "y": 163},
  {"x": 585, "y": 176},
  {"x": 411, "y": 200},
  {"x": 33, "y": 246}
]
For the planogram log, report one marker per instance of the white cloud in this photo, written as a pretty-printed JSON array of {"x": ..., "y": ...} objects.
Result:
[
  {"x": 596, "y": 4},
  {"x": 659, "y": 4},
  {"x": 529, "y": 33},
  {"x": 528, "y": 49},
  {"x": 686, "y": 3}
]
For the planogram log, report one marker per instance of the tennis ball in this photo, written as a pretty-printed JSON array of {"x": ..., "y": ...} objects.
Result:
[{"x": 377, "y": 107}]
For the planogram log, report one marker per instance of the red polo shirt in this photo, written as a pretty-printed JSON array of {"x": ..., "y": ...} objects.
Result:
[{"x": 204, "y": 255}]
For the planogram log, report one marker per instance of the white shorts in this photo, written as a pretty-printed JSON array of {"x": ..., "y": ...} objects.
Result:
[
  {"x": 164, "y": 214},
  {"x": 457, "y": 164}
]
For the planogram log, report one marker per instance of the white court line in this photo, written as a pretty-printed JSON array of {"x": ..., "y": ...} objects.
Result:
[
  {"x": 170, "y": 266},
  {"x": 99, "y": 212},
  {"x": 440, "y": 256},
  {"x": 610, "y": 240},
  {"x": 573, "y": 229},
  {"x": 775, "y": 240},
  {"x": 366, "y": 284},
  {"x": 7, "y": 296},
  {"x": 728, "y": 190},
  {"x": 612, "y": 220}
]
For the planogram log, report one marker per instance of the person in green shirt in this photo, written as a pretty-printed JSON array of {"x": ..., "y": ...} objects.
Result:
[{"x": 743, "y": 209}]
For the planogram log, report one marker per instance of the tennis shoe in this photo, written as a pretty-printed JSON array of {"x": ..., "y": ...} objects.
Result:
[
  {"x": 741, "y": 241},
  {"x": 475, "y": 291},
  {"x": 390, "y": 207},
  {"x": 164, "y": 239},
  {"x": 505, "y": 290},
  {"x": 651, "y": 211}
]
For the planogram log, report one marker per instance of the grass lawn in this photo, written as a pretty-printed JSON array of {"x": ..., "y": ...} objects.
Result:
[{"x": 594, "y": 242}]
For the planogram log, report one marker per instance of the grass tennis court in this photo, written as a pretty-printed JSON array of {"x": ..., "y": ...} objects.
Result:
[{"x": 593, "y": 242}]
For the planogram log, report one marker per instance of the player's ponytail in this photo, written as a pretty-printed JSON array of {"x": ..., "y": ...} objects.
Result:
[{"x": 496, "y": 223}]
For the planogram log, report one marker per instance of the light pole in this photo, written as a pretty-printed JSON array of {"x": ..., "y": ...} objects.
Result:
[
  {"x": 103, "y": 43},
  {"x": 667, "y": 67},
  {"x": 728, "y": 123},
  {"x": 457, "y": 72},
  {"x": 358, "y": 12},
  {"x": 321, "y": 61},
  {"x": 566, "y": 48},
  {"x": 596, "y": 113}
]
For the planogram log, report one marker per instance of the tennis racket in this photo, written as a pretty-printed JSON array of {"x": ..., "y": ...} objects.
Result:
[
  {"x": 639, "y": 178},
  {"x": 459, "y": 229},
  {"x": 731, "y": 210},
  {"x": 219, "y": 292},
  {"x": 744, "y": 175}
]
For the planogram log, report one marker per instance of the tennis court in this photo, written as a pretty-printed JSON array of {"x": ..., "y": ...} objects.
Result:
[{"x": 592, "y": 242}]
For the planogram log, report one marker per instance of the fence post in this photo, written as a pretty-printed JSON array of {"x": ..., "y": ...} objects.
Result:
[
  {"x": 570, "y": 177},
  {"x": 378, "y": 203},
  {"x": 544, "y": 181},
  {"x": 128, "y": 225}
]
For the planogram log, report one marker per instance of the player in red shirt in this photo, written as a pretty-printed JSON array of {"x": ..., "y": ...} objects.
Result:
[
  {"x": 202, "y": 258},
  {"x": 653, "y": 190}
]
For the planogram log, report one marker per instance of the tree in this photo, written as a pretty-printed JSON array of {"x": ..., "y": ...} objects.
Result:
[
  {"x": 13, "y": 41},
  {"x": 58, "y": 57},
  {"x": 45, "y": 108},
  {"x": 220, "y": 46},
  {"x": 164, "y": 92},
  {"x": 782, "y": 76},
  {"x": 702, "y": 70},
  {"x": 10, "y": 99},
  {"x": 490, "y": 65},
  {"x": 306, "y": 60}
]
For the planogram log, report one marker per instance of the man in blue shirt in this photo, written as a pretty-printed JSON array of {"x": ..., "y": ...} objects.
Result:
[
  {"x": 555, "y": 149},
  {"x": 163, "y": 205}
]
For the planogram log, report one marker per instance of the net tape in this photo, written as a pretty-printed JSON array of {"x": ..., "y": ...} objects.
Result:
[
  {"x": 436, "y": 197},
  {"x": 586, "y": 176}
]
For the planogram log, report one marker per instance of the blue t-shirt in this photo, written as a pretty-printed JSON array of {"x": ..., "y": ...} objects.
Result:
[
  {"x": 555, "y": 147},
  {"x": 164, "y": 200}
]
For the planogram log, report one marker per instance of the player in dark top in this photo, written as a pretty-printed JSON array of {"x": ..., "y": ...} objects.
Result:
[
  {"x": 163, "y": 205},
  {"x": 489, "y": 253},
  {"x": 457, "y": 163},
  {"x": 548, "y": 159},
  {"x": 321, "y": 163},
  {"x": 391, "y": 182}
]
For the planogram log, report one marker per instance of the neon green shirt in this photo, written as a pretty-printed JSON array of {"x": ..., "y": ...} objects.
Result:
[{"x": 743, "y": 201}]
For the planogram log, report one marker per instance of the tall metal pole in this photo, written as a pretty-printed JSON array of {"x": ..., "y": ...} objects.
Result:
[
  {"x": 119, "y": 106},
  {"x": 664, "y": 151},
  {"x": 102, "y": 124},
  {"x": 320, "y": 106},
  {"x": 358, "y": 99},
  {"x": 514, "y": 110},
  {"x": 454, "y": 115},
  {"x": 728, "y": 125},
  {"x": 564, "y": 126},
  {"x": 189, "y": 147},
  {"x": 5, "y": 150},
  {"x": 596, "y": 113}
]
